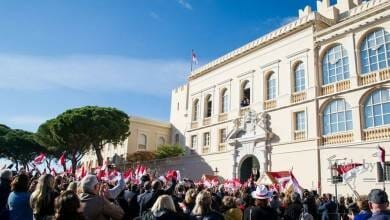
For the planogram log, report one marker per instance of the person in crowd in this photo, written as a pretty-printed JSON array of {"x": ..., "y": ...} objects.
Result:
[
  {"x": 365, "y": 212},
  {"x": 72, "y": 186},
  {"x": 164, "y": 209},
  {"x": 309, "y": 201},
  {"x": 94, "y": 204},
  {"x": 131, "y": 198},
  {"x": 42, "y": 199},
  {"x": 343, "y": 209},
  {"x": 67, "y": 206},
  {"x": 378, "y": 203},
  {"x": 230, "y": 210},
  {"x": 5, "y": 190},
  {"x": 202, "y": 209},
  {"x": 328, "y": 208},
  {"x": 261, "y": 210},
  {"x": 19, "y": 199},
  {"x": 294, "y": 210},
  {"x": 189, "y": 201}
]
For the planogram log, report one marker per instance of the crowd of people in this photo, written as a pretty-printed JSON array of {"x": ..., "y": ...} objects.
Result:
[{"x": 24, "y": 196}]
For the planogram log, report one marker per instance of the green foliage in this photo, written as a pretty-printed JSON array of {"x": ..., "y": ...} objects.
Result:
[
  {"x": 141, "y": 156},
  {"x": 168, "y": 150}
]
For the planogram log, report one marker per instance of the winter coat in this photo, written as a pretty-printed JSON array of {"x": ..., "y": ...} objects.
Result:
[
  {"x": 99, "y": 208},
  {"x": 233, "y": 214}
]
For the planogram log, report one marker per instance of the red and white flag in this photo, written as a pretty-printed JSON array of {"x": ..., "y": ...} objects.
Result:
[
  {"x": 381, "y": 156},
  {"x": 61, "y": 160},
  {"x": 194, "y": 58},
  {"x": 39, "y": 159},
  {"x": 280, "y": 177},
  {"x": 350, "y": 170}
]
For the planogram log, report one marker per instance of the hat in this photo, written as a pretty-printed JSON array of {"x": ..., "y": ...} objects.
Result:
[
  {"x": 261, "y": 192},
  {"x": 378, "y": 196},
  {"x": 88, "y": 183}
]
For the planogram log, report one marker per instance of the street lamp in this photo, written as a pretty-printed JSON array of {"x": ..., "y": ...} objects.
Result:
[
  {"x": 216, "y": 171},
  {"x": 336, "y": 178}
]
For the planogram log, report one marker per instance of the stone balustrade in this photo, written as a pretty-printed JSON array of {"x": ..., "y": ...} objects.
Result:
[
  {"x": 269, "y": 104},
  {"x": 298, "y": 97},
  {"x": 374, "y": 77},
  {"x": 299, "y": 135},
  {"x": 376, "y": 133},
  {"x": 340, "y": 138}
]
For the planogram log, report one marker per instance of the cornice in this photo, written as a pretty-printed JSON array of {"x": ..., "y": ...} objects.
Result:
[{"x": 279, "y": 33}]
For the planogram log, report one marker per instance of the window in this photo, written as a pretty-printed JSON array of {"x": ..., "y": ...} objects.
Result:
[
  {"x": 375, "y": 51},
  {"x": 209, "y": 105},
  {"x": 195, "y": 111},
  {"x": 206, "y": 139},
  {"x": 194, "y": 142},
  {"x": 300, "y": 121},
  {"x": 271, "y": 86},
  {"x": 245, "y": 94},
  {"x": 299, "y": 77},
  {"x": 224, "y": 101},
  {"x": 142, "y": 141},
  {"x": 335, "y": 65},
  {"x": 377, "y": 108},
  {"x": 177, "y": 139},
  {"x": 337, "y": 117},
  {"x": 380, "y": 175},
  {"x": 222, "y": 136},
  {"x": 161, "y": 141}
]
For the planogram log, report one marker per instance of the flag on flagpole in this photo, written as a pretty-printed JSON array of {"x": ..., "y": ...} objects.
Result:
[
  {"x": 61, "y": 160},
  {"x": 194, "y": 58},
  {"x": 350, "y": 170},
  {"x": 39, "y": 159},
  {"x": 381, "y": 156}
]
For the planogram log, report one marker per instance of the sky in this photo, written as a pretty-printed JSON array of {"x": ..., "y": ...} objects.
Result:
[{"x": 128, "y": 54}]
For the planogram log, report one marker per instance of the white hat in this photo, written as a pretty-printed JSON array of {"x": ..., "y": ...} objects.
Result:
[{"x": 261, "y": 192}]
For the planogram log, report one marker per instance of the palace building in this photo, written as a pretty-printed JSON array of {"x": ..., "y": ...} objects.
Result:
[{"x": 310, "y": 94}]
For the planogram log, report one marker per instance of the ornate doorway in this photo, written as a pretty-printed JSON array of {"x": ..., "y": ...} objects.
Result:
[{"x": 250, "y": 165}]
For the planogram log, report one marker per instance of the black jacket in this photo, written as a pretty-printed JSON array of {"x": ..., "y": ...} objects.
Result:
[
  {"x": 256, "y": 212},
  {"x": 293, "y": 211}
]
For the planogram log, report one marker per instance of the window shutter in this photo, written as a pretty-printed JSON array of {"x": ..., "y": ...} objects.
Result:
[{"x": 379, "y": 172}]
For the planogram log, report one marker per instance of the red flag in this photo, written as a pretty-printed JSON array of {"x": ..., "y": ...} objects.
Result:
[
  {"x": 381, "y": 156},
  {"x": 53, "y": 172},
  {"x": 61, "y": 161},
  {"x": 39, "y": 159},
  {"x": 350, "y": 170}
]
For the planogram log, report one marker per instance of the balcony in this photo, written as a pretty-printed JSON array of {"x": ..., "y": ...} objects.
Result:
[
  {"x": 299, "y": 135},
  {"x": 194, "y": 124},
  {"x": 205, "y": 149},
  {"x": 207, "y": 121},
  {"x": 374, "y": 77},
  {"x": 269, "y": 104},
  {"x": 340, "y": 138},
  {"x": 222, "y": 116},
  {"x": 336, "y": 87},
  {"x": 243, "y": 110},
  {"x": 298, "y": 97},
  {"x": 222, "y": 147},
  {"x": 376, "y": 133}
]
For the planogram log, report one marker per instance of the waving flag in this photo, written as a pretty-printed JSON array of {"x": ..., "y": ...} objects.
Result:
[
  {"x": 61, "y": 160},
  {"x": 39, "y": 159},
  {"x": 194, "y": 58},
  {"x": 381, "y": 156},
  {"x": 351, "y": 170}
]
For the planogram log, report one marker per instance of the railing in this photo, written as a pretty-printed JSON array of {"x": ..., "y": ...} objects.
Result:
[
  {"x": 336, "y": 87},
  {"x": 376, "y": 133},
  {"x": 298, "y": 97},
  {"x": 194, "y": 124},
  {"x": 222, "y": 147},
  {"x": 243, "y": 110},
  {"x": 299, "y": 135},
  {"x": 205, "y": 150},
  {"x": 337, "y": 138},
  {"x": 206, "y": 121},
  {"x": 222, "y": 117},
  {"x": 374, "y": 77},
  {"x": 269, "y": 104}
]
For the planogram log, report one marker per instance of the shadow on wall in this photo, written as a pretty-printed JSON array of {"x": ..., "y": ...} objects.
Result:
[{"x": 191, "y": 166}]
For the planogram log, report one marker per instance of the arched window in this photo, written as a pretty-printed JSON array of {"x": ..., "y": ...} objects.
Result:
[
  {"x": 271, "y": 86},
  {"x": 335, "y": 65},
  {"x": 245, "y": 94},
  {"x": 177, "y": 139},
  {"x": 299, "y": 77},
  {"x": 337, "y": 117},
  {"x": 209, "y": 106},
  {"x": 377, "y": 108},
  {"x": 142, "y": 141},
  {"x": 375, "y": 51},
  {"x": 195, "y": 110},
  {"x": 224, "y": 101},
  {"x": 161, "y": 141}
]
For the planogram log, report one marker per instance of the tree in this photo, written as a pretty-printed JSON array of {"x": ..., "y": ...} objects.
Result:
[
  {"x": 168, "y": 150},
  {"x": 3, "y": 131}
]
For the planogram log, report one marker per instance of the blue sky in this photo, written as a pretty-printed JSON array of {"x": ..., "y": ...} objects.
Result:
[{"x": 128, "y": 54}]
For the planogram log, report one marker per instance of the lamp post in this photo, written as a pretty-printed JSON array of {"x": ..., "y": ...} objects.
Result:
[
  {"x": 336, "y": 178},
  {"x": 216, "y": 171}
]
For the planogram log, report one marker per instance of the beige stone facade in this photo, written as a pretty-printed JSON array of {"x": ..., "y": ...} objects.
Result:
[
  {"x": 317, "y": 91},
  {"x": 145, "y": 134}
]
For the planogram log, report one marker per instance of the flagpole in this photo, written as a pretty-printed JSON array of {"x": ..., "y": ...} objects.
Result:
[{"x": 192, "y": 54}]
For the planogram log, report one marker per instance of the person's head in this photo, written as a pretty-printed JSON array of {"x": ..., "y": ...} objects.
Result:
[
  {"x": 221, "y": 188},
  {"x": 6, "y": 174},
  {"x": 295, "y": 197},
  {"x": 180, "y": 190},
  {"x": 90, "y": 184},
  {"x": 42, "y": 192},
  {"x": 66, "y": 205},
  {"x": 362, "y": 203},
  {"x": 156, "y": 185},
  {"x": 190, "y": 196},
  {"x": 229, "y": 202},
  {"x": 147, "y": 185},
  {"x": 72, "y": 186},
  {"x": 202, "y": 203},
  {"x": 261, "y": 196},
  {"x": 58, "y": 180},
  {"x": 378, "y": 200},
  {"x": 20, "y": 183},
  {"x": 163, "y": 202}
]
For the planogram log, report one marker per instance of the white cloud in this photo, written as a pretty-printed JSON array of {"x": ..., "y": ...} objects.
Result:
[
  {"x": 92, "y": 73},
  {"x": 185, "y": 4}
]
